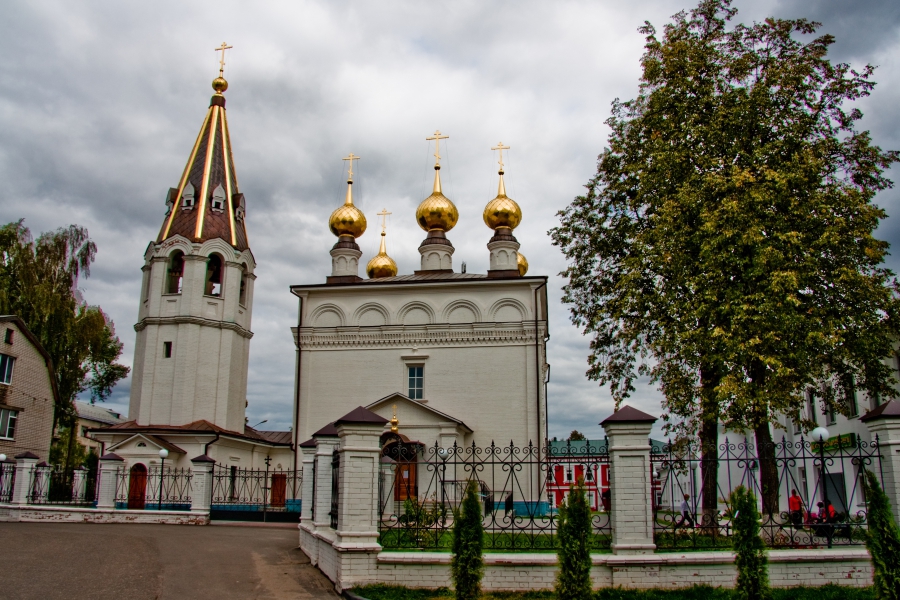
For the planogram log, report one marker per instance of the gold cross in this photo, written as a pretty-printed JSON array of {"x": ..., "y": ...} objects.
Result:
[
  {"x": 222, "y": 49},
  {"x": 437, "y": 137},
  {"x": 501, "y": 148},
  {"x": 351, "y": 158},
  {"x": 383, "y": 214}
]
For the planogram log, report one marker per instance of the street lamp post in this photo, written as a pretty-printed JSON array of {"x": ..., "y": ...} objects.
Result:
[
  {"x": 823, "y": 435},
  {"x": 163, "y": 453}
]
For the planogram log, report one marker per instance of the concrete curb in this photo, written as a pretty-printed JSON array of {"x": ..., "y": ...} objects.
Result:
[{"x": 351, "y": 596}]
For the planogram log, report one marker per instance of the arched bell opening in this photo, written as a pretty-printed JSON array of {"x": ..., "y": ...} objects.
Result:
[
  {"x": 175, "y": 272},
  {"x": 214, "y": 275}
]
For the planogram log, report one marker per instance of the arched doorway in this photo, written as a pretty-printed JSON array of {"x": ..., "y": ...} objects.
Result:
[
  {"x": 405, "y": 455},
  {"x": 137, "y": 487}
]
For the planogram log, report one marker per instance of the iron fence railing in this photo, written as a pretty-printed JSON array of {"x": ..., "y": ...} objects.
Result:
[
  {"x": 52, "y": 484},
  {"x": 239, "y": 493},
  {"x": 7, "y": 480},
  {"x": 520, "y": 490},
  {"x": 335, "y": 486},
  {"x": 140, "y": 488},
  {"x": 809, "y": 494}
]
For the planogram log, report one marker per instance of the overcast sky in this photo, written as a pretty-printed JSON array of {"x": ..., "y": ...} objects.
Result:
[{"x": 100, "y": 104}]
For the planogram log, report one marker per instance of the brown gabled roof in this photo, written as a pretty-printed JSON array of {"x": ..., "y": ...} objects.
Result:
[
  {"x": 888, "y": 410},
  {"x": 201, "y": 426},
  {"x": 277, "y": 437},
  {"x": 209, "y": 166},
  {"x": 34, "y": 342},
  {"x": 628, "y": 414},
  {"x": 362, "y": 415}
]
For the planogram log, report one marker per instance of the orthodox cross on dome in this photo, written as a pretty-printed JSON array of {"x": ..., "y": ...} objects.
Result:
[
  {"x": 501, "y": 148},
  {"x": 222, "y": 49},
  {"x": 437, "y": 137},
  {"x": 351, "y": 158},
  {"x": 384, "y": 215}
]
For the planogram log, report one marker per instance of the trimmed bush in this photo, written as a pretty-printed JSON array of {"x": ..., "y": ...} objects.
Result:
[
  {"x": 573, "y": 581},
  {"x": 750, "y": 552},
  {"x": 882, "y": 541},
  {"x": 467, "y": 564}
]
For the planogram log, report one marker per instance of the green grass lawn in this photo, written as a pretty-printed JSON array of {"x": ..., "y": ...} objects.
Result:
[{"x": 828, "y": 592}]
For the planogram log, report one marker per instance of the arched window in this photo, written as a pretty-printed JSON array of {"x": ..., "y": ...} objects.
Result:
[
  {"x": 175, "y": 272},
  {"x": 214, "y": 275},
  {"x": 244, "y": 285}
]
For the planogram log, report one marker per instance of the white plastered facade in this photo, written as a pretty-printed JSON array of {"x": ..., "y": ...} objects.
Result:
[
  {"x": 481, "y": 343},
  {"x": 206, "y": 375}
]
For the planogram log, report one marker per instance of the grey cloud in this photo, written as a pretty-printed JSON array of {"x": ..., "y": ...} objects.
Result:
[{"x": 100, "y": 105}]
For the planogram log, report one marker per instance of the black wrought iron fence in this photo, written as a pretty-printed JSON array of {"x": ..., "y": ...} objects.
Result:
[
  {"x": 53, "y": 484},
  {"x": 140, "y": 488},
  {"x": 335, "y": 486},
  {"x": 255, "y": 494},
  {"x": 520, "y": 489},
  {"x": 7, "y": 480},
  {"x": 810, "y": 494}
]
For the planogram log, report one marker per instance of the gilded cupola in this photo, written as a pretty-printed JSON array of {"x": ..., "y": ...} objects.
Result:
[
  {"x": 207, "y": 203},
  {"x": 382, "y": 265},
  {"x": 502, "y": 211},
  {"x": 437, "y": 212},
  {"x": 348, "y": 220},
  {"x": 502, "y": 214}
]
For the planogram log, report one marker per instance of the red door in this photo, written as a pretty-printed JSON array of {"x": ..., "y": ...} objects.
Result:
[
  {"x": 279, "y": 489},
  {"x": 405, "y": 480},
  {"x": 137, "y": 487}
]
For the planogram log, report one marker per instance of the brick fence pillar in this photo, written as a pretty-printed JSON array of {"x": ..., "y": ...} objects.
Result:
[
  {"x": 26, "y": 464},
  {"x": 308, "y": 453},
  {"x": 631, "y": 514},
  {"x": 110, "y": 464},
  {"x": 884, "y": 422},
  {"x": 326, "y": 439},
  {"x": 358, "y": 512},
  {"x": 201, "y": 483}
]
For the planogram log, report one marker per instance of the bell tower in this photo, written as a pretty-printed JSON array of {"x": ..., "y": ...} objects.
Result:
[{"x": 193, "y": 330}]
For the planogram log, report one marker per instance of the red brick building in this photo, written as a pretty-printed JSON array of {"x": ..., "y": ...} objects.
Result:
[{"x": 28, "y": 391}]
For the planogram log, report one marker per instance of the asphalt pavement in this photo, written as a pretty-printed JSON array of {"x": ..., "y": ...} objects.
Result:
[{"x": 60, "y": 560}]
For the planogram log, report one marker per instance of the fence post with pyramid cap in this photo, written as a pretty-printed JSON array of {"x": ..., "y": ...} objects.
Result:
[
  {"x": 26, "y": 463},
  {"x": 631, "y": 517},
  {"x": 884, "y": 422},
  {"x": 360, "y": 433},
  {"x": 110, "y": 464}
]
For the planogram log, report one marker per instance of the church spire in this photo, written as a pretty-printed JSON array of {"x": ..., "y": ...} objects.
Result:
[{"x": 207, "y": 203}]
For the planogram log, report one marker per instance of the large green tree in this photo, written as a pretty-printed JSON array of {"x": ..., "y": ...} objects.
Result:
[
  {"x": 725, "y": 246},
  {"x": 39, "y": 283}
]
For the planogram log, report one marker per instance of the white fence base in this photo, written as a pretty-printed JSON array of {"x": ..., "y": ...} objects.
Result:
[
  {"x": 74, "y": 514},
  {"x": 537, "y": 571}
]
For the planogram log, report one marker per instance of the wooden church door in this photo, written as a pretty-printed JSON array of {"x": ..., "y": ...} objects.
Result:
[
  {"x": 137, "y": 487},
  {"x": 279, "y": 489},
  {"x": 406, "y": 479}
]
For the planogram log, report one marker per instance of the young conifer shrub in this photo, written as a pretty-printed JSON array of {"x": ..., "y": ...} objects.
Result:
[
  {"x": 750, "y": 559},
  {"x": 467, "y": 564},
  {"x": 882, "y": 541},
  {"x": 573, "y": 582}
]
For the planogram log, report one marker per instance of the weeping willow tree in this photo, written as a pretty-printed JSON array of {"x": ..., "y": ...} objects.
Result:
[
  {"x": 725, "y": 246},
  {"x": 39, "y": 283}
]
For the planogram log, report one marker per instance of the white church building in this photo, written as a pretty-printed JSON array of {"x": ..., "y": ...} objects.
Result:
[{"x": 450, "y": 357}]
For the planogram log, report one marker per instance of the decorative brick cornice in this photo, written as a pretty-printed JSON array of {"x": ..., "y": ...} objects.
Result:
[
  {"x": 417, "y": 335},
  {"x": 194, "y": 321}
]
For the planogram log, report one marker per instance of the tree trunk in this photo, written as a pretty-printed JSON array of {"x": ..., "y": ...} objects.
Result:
[
  {"x": 768, "y": 469},
  {"x": 709, "y": 449}
]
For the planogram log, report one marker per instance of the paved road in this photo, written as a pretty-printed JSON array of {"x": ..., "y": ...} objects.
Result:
[{"x": 168, "y": 562}]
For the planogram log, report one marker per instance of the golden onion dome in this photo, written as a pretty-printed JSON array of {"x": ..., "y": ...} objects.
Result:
[
  {"x": 219, "y": 84},
  {"x": 522, "y": 263},
  {"x": 347, "y": 219},
  {"x": 437, "y": 211},
  {"x": 502, "y": 211},
  {"x": 381, "y": 265}
]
